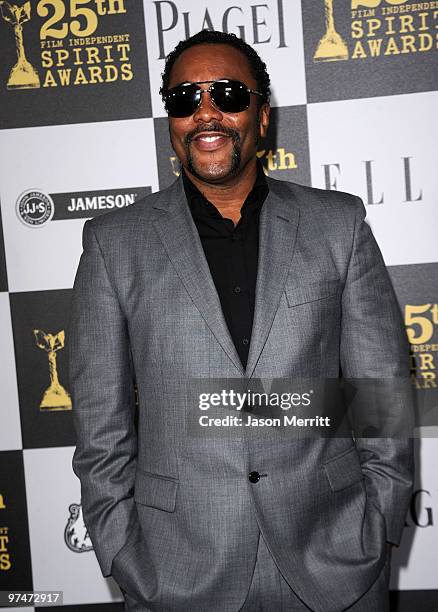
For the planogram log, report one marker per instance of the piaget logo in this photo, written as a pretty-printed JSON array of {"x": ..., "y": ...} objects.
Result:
[
  {"x": 258, "y": 23},
  {"x": 421, "y": 321},
  {"x": 74, "y": 48},
  {"x": 377, "y": 28}
]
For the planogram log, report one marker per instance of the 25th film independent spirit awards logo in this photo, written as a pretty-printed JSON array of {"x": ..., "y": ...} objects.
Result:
[
  {"x": 415, "y": 286},
  {"x": 67, "y": 55},
  {"x": 366, "y": 42},
  {"x": 421, "y": 322},
  {"x": 15, "y": 560}
]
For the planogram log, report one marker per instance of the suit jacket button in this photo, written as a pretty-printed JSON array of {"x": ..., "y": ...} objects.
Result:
[{"x": 254, "y": 477}]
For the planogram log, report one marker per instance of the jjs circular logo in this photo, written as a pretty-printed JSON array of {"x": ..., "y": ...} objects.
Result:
[{"x": 35, "y": 208}]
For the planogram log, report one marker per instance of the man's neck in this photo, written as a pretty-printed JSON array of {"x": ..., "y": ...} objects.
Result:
[{"x": 230, "y": 196}]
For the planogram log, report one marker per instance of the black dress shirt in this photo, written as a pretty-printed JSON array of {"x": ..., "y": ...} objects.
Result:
[{"x": 232, "y": 255}]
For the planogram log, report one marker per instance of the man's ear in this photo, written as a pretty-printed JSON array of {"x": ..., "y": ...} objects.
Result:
[{"x": 264, "y": 118}]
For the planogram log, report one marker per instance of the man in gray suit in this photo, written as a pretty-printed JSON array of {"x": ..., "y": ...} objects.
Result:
[{"x": 228, "y": 274}]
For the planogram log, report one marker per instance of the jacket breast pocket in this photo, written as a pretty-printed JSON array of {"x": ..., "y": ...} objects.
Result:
[
  {"x": 155, "y": 490},
  {"x": 311, "y": 292},
  {"x": 343, "y": 470}
]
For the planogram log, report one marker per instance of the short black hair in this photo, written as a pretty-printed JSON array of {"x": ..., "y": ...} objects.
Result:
[{"x": 256, "y": 64}]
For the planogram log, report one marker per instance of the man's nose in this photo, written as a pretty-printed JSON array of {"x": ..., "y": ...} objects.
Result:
[{"x": 206, "y": 110}]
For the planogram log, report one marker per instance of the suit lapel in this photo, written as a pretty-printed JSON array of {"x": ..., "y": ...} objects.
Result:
[
  {"x": 181, "y": 240},
  {"x": 278, "y": 224}
]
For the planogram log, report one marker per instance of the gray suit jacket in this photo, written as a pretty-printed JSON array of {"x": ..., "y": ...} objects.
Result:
[{"x": 173, "y": 517}]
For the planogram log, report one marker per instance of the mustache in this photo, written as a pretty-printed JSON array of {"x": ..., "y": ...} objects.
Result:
[{"x": 212, "y": 127}]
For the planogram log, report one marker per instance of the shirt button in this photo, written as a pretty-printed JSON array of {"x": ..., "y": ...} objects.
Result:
[
  {"x": 237, "y": 289},
  {"x": 245, "y": 341},
  {"x": 254, "y": 477}
]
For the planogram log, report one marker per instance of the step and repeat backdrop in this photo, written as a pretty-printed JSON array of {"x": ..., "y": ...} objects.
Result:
[{"x": 83, "y": 131}]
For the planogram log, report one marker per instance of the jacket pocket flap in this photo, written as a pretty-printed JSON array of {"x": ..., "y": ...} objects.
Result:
[
  {"x": 155, "y": 490},
  {"x": 312, "y": 291},
  {"x": 343, "y": 470}
]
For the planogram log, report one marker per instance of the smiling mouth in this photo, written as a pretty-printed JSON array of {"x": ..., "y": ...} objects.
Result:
[
  {"x": 209, "y": 141},
  {"x": 208, "y": 138}
]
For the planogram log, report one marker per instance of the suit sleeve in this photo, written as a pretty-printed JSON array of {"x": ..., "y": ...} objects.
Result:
[
  {"x": 101, "y": 382},
  {"x": 374, "y": 345}
]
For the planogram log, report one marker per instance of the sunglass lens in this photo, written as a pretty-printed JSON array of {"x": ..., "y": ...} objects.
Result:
[
  {"x": 182, "y": 100},
  {"x": 230, "y": 96}
]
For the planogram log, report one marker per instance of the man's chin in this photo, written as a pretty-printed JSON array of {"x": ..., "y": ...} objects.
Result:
[{"x": 212, "y": 173}]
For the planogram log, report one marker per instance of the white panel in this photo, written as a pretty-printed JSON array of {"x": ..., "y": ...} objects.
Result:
[
  {"x": 51, "y": 486},
  {"x": 415, "y": 562},
  {"x": 62, "y": 159},
  {"x": 10, "y": 430},
  {"x": 384, "y": 130}
]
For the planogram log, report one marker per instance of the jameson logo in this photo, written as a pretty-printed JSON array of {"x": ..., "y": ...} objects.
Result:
[
  {"x": 377, "y": 28},
  {"x": 79, "y": 43},
  {"x": 35, "y": 208}
]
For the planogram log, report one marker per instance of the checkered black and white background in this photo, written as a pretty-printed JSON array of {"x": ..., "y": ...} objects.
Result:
[{"x": 83, "y": 130}]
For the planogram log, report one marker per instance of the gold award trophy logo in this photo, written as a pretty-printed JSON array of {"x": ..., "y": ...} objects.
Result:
[
  {"x": 332, "y": 47},
  {"x": 23, "y": 74},
  {"x": 55, "y": 396}
]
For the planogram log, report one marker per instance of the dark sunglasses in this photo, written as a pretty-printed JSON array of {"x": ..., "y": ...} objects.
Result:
[{"x": 227, "y": 95}]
